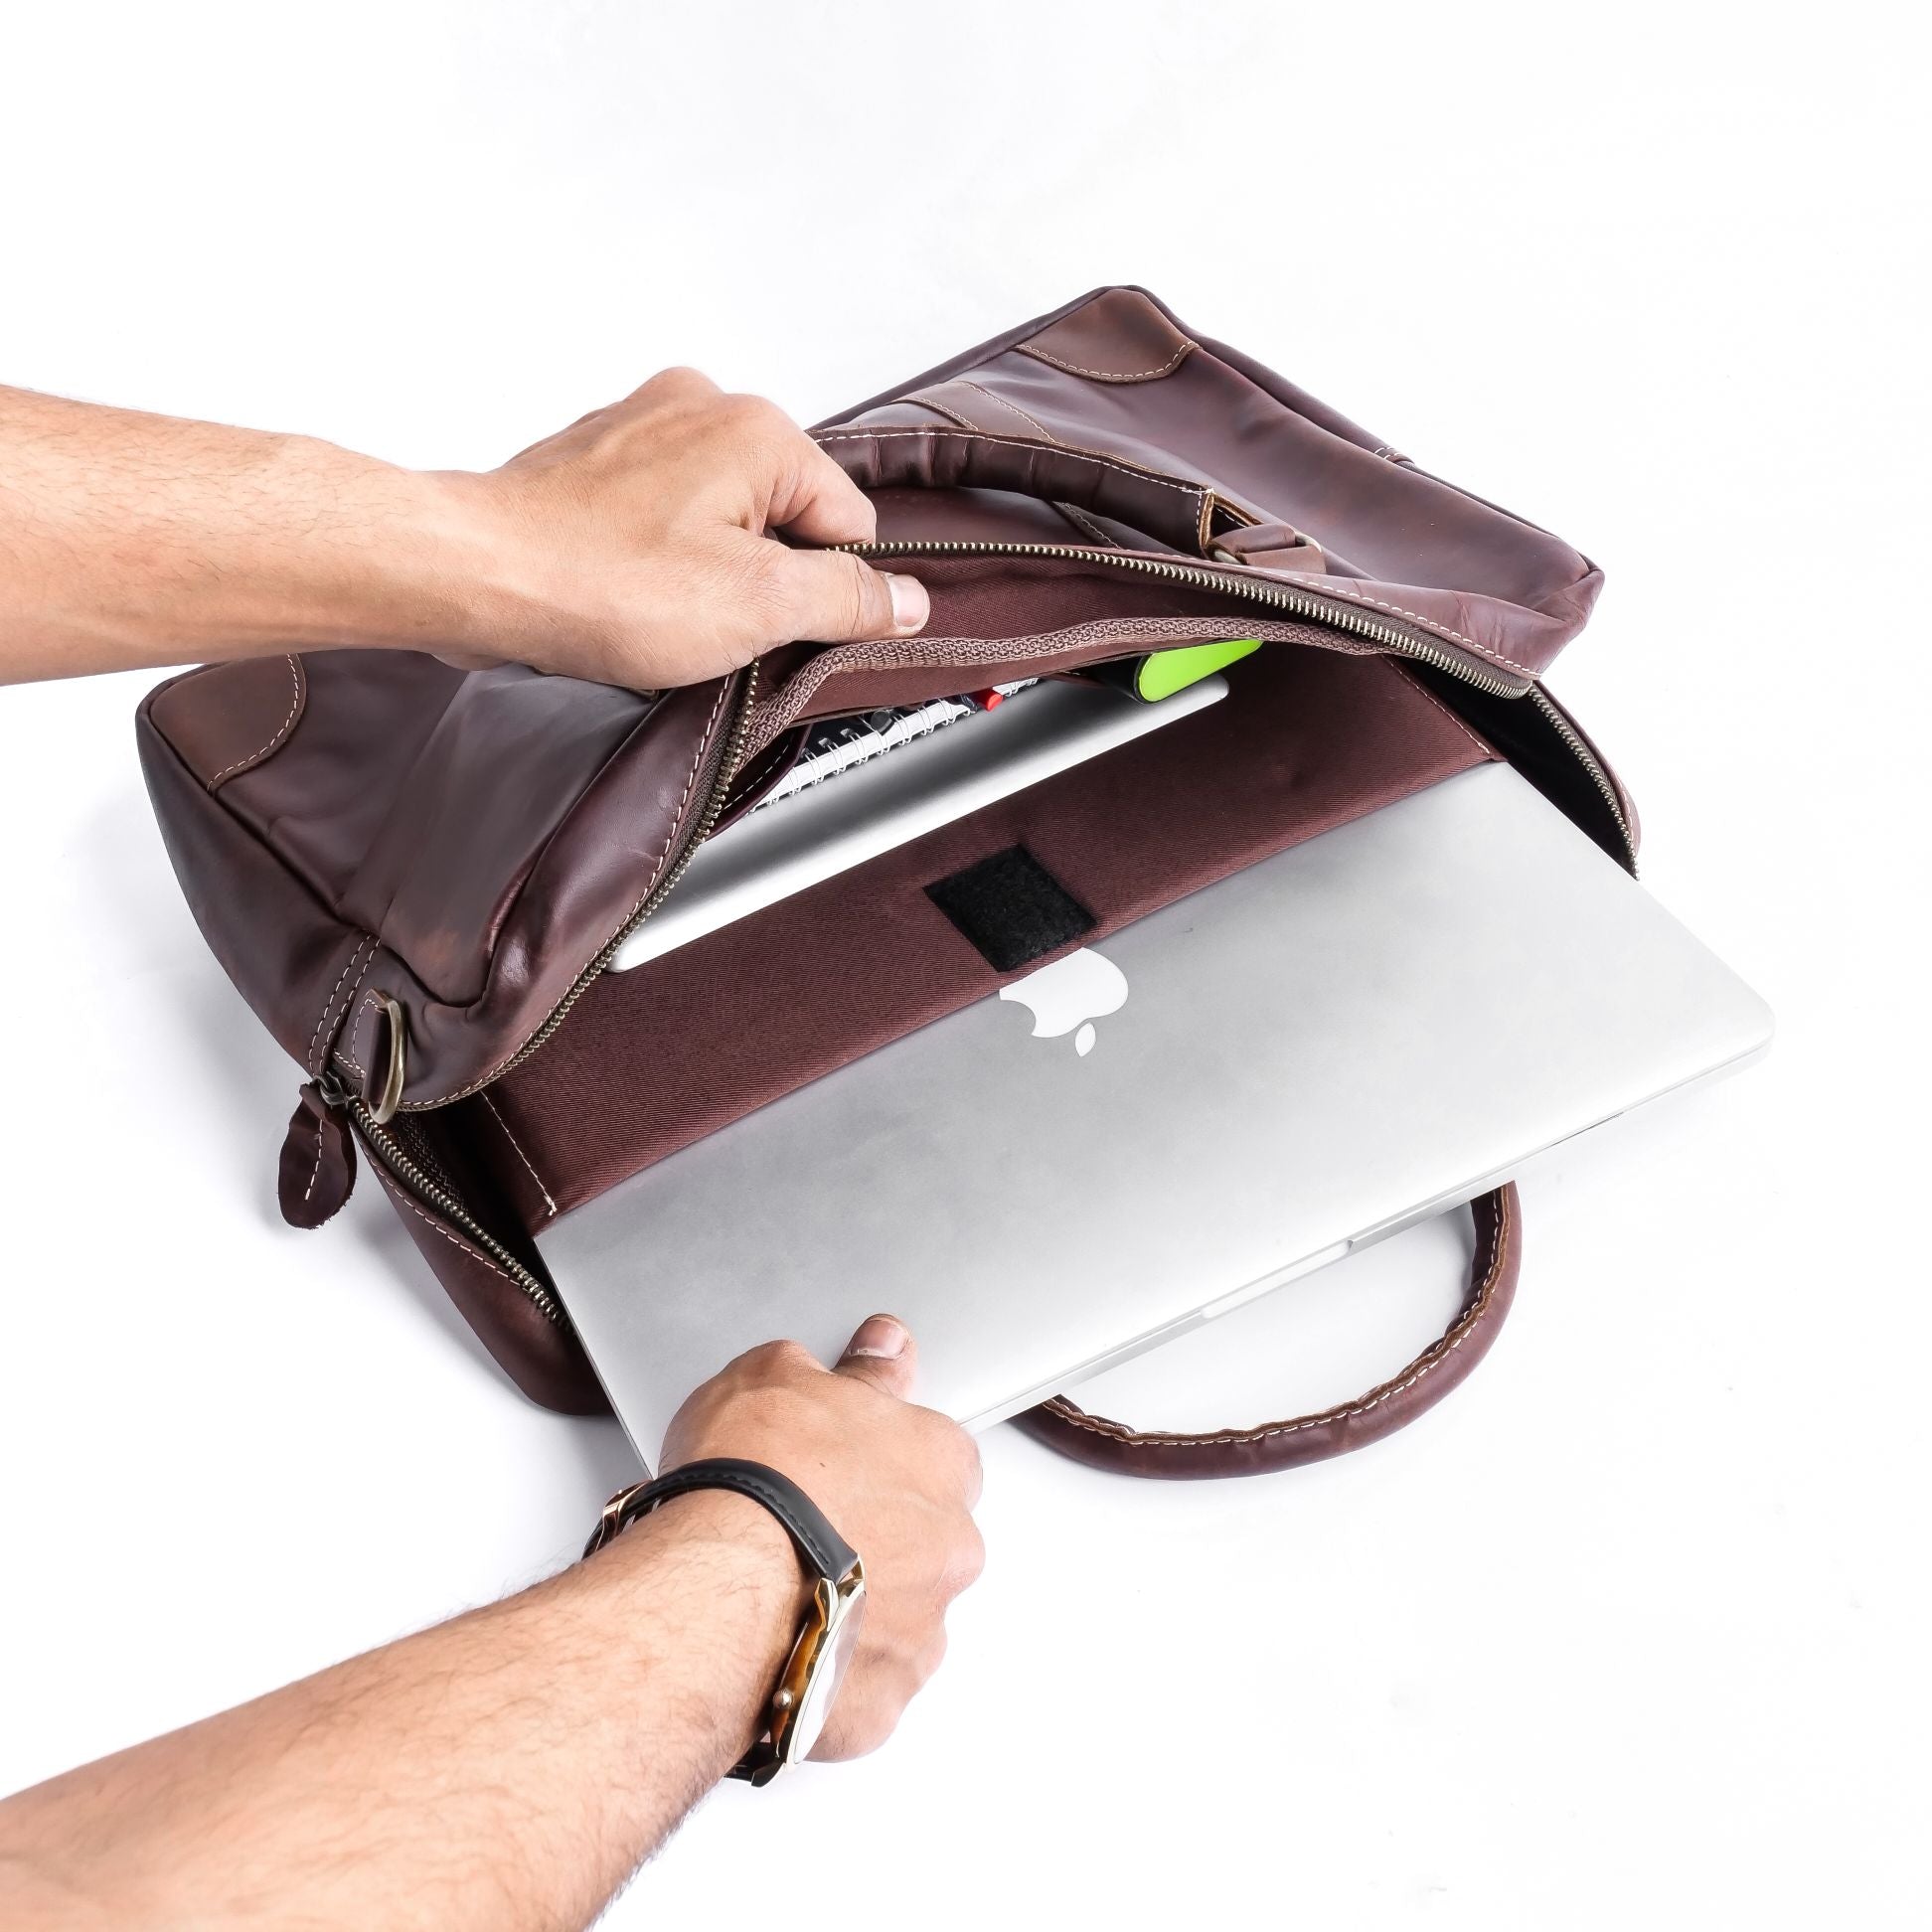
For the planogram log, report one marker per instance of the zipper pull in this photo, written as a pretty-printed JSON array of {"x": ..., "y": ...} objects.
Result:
[{"x": 318, "y": 1157}]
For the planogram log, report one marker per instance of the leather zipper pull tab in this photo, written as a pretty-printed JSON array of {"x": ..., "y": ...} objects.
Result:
[
  {"x": 1272, "y": 547},
  {"x": 318, "y": 1158}
]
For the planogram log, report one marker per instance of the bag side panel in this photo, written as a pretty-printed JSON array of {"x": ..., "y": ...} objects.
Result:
[
  {"x": 543, "y": 1357},
  {"x": 298, "y": 964},
  {"x": 1416, "y": 545}
]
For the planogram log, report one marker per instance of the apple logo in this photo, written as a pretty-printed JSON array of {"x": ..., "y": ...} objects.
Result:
[{"x": 1073, "y": 991}]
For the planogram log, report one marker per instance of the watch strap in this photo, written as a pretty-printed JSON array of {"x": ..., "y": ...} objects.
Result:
[
  {"x": 823, "y": 1550},
  {"x": 825, "y": 1554}
]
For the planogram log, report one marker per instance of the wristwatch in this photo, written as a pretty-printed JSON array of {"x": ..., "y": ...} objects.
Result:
[{"x": 809, "y": 1684}]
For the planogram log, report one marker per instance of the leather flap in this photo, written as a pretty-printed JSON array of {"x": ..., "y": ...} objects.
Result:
[
  {"x": 1120, "y": 336},
  {"x": 227, "y": 718},
  {"x": 1112, "y": 408},
  {"x": 355, "y": 827}
]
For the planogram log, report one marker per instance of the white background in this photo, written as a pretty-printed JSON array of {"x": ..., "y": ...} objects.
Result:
[{"x": 1634, "y": 1630}]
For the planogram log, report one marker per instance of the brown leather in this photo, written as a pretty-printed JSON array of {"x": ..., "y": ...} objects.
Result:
[
  {"x": 1273, "y": 546},
  {"x": 387, "y": 837},
  {"x": 1388, "y": 1406},
  {"x": 318, "y": 1162},
  {"x": 1173, "y": 509},
  {"x": 541, "y": 1355},
  {"x": 1117, "y": 337},
  {"x": 657, "y": 1058},
  {"x": 235, "y": 714},
  {"x": 356, "y": 829},
  {"x": 1221, "y": 424},
  {"x": 384, "y": 819}
]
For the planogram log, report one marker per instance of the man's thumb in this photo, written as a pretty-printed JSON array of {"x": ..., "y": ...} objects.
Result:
[
  {"x": 833, "y": 598},
  {"x": 881, "y": 1353}
]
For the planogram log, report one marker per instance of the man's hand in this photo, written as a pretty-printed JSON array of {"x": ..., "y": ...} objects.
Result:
[
  {"x": 634, "y": 547},
  {"x": 898, "y": 1482},
  {"x": 510, "y": 1768},
  {"x": 635, "y": 541}
]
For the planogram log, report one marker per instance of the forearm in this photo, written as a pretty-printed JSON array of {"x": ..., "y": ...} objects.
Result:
[
  {"x": 141, "y": 539},
  {"x": 507, "y": 1769},
  {"x": 634, "y": 547}
]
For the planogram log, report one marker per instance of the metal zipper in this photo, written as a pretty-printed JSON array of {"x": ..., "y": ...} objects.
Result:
[
  {"x": 1298, "y": 603},
  {"x": 1334, "y": 613},
  {"x": 721, "y": 783},
  {"x": 1304, "y": 604},
  {"x": 727, "y": 769},
  {"x": 412, "y": 1178},
  {"x": 384, "y": 1145},
  {"x": 1591, "y": 764}
]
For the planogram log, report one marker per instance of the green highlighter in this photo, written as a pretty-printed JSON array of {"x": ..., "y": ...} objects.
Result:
[{"x": 1160, "y": 674}]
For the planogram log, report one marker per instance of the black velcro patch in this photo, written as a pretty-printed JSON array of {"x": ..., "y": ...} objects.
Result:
[{"x": 1011, "y": 908}]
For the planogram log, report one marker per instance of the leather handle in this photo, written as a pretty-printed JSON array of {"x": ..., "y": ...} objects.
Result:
[
  {"x": 1332, "y": 1431},
  {"x": 1177, "y": 513}
]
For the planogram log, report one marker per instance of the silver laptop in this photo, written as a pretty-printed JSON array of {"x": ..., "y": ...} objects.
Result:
[
  {"x": 1234, "y": 1091},
  {"x": 863, "y": 785}
]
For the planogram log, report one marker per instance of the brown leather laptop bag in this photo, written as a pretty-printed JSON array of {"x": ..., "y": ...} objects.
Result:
[{"x": 416, "y": 875}]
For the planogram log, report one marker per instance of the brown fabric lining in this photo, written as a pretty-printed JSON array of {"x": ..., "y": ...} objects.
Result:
[
  {"x": 1001, "y": 602},
  {"x": 660, "y": 1057},
  {"x": 908, "y": 671}
]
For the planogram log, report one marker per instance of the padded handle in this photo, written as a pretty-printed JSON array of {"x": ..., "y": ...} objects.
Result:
[
  {"x": 1310, "y": 1438},
  {"x": 1177, "y": 513}
]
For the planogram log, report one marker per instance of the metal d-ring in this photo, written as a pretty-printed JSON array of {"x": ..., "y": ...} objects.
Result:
[{"x": 388, "y": 1096}]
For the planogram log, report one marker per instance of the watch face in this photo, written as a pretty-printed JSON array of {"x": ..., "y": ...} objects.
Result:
[{"x": 827, "y": 1673}]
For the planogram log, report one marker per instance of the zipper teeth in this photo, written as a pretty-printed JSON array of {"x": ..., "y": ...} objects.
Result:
[
  {"x": 405, "y": 1170},
  {"x": 1327, "y": 610},
  {"x": 1340, "y": 616},
  {"x": 707, "y": 824},
  {"x": 1593, "y": 765},
  {"x": 412, "y": 1177}
]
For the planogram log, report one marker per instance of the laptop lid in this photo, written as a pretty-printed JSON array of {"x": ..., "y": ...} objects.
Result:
[{"x": 1303, "y": 1057}]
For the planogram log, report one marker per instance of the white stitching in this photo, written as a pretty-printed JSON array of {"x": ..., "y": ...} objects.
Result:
[
  {"x": 697, "y": 765},
  {"x": 346, "y": 1047},
  {"x": 316, "y": 1173},
  {"x": 1336, "y": 586},
  {"x": 1015, "y": 442},
  {"x": 308, "y": 1059},
  {"x": 344, "y": 1051},
  {"x": 684, "y": 797},
  {"x": 1431, "y": 1359},
  {"x": 461, "y": 1246},
  {"x": 521, "y": 1155},
  {"x": 1109, "y": 375},
  {"x": 966, "y": 382},
  {"x": 748, "y": 781},
  {"x": 921, "y": 399},
  {"x": 1084, "y": 524},
  {"x": 1341, "y": 588},
  {"x": 372, "y": 999},
  {"x": 287, "y": 724}
]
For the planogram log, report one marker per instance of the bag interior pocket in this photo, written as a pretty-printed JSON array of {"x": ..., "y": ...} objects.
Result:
[{"x": 659, "y": 1057}]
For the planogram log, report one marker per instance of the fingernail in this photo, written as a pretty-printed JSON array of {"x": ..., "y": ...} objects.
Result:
[
  {"x": 910, "y": 608},
  {"x": 880, "y": 1336}
]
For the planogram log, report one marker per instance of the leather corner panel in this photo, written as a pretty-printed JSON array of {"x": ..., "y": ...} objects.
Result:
[
  {"x": 1118, "y": 336},
  {"x": 542, "y": 1356},
  {"x": 227, "y": 718}
]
